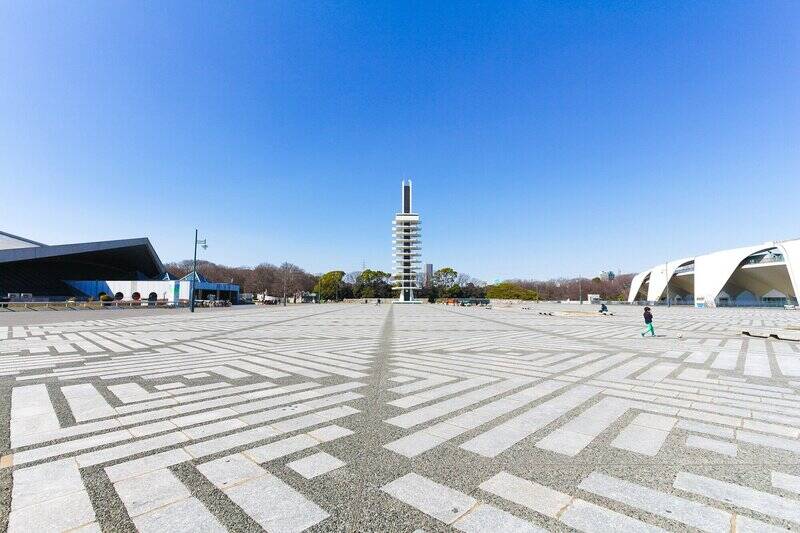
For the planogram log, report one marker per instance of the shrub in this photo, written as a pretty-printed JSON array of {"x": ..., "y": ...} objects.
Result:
[{"x": 510, "y": 291}]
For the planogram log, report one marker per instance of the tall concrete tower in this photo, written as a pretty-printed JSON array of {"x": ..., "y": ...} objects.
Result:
[{"x": 407, "y": 246}]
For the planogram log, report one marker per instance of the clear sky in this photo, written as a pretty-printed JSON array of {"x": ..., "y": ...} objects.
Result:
[{"x": 544, "y": 139}]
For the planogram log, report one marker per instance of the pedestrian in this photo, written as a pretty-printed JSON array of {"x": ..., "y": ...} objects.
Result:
[{"x": 648, "y": 321}]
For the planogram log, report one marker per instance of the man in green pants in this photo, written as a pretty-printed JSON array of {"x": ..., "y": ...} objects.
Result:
[{"x": 648, "y": 321}]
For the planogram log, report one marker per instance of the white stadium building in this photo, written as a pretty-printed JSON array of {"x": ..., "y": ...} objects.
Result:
[{"x": 765, "y": 274}]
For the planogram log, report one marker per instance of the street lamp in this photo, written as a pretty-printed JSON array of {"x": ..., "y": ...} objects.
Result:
[{"x": 194, "y": 269}]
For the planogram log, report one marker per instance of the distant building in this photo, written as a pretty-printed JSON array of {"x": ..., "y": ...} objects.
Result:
[
  {"x": 168, "y": 288},
  {"x": 127, "y": 269},
  {"x": 427, "y": 277},
  {"x": 765, "y": 274},
  {"x": 607, "y": 275}
]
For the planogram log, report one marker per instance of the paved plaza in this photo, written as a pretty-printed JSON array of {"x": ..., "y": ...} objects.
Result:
[{"x": 398, "y": 418}]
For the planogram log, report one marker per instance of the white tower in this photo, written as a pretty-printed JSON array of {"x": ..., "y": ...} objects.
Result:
[{"x": 407, "y": 248}]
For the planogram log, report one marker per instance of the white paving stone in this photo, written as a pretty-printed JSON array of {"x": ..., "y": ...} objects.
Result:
[
  {"x": 694, "y": 514},
  {"x": 484, "y": 518},
  {"x": 274, "y": 505},
  {"x": 59, "y": 514},
  {"x": 433, "y": 499},
  {"x": 529, "y": 494},
  {"x": 186, "y": 516},
  {"x": 503, "y": 383},
  {"x": 787, "y": 482},
  {"x": 230, "y": 470},
  {"x": 640, "y": 439},
  {"x": 150, "y": 491},
  {"x": 43, "y": 482},
  {"x": 739, "y": 495},
  {"x": 315, "y": 465},
  {"x": 712, "y": 445},
  {"x": 148, "y": 463}
]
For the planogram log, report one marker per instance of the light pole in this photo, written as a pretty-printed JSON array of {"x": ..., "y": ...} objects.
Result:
[{"x": 194, "y": 269}]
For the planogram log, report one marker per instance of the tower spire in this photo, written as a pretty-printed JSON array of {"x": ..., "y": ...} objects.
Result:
[{"x": 406, "y": 247}]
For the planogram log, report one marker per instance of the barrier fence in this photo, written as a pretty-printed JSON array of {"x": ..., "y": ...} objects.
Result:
[{"x": 114, "y": 304}]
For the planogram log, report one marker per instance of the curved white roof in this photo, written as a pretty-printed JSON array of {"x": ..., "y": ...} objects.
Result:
[{"x": 713, "y": 271}]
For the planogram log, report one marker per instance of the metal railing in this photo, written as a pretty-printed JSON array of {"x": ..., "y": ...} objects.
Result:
[{"x": 113, "y": 304}]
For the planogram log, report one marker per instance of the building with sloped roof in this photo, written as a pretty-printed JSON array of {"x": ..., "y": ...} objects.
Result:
[
  {"x": 765, "y": 274},
  {"x": 127, "y": 268}
]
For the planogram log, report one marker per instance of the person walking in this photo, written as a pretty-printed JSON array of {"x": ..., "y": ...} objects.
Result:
[{"x": 648, "y": 322}]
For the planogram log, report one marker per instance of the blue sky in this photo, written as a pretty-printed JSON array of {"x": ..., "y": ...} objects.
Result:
[{"x": 544, "y": 139}]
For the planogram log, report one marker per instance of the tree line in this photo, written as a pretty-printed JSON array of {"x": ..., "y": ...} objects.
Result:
[
  {"x": 337, "y": 285},
  {"x": 275, "y": 280}
]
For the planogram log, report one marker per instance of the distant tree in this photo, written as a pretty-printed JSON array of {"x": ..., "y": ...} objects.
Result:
[
  {"x": 289, "y": 275},
  {"x": 264, "y": 279},
  {"x": 462, "y": 279},
  {"x": 510, "y": 291},
  {"x": 445, "y": 277},
  {"x": 473, "y": 290},
  {"x": 329, "y": 285},
  {"x": 351, "y": 278},
  {"x": 373, "y": 284}
]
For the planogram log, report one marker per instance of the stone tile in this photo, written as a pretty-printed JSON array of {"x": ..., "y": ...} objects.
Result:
[
  {"x": 586, "y": 516},
  {"x": 230, "y": 470},
  {"x": 60, "y": 514},
  {"x": 150, "y": 491},
  {"x": 149, "y": 463},
  {"x": 169, "y": 386},
  {"x": 712, "y": 445},
  {"x": 433, "y": 499},
  {"x": 44, "y": 482},
  {"x": 786, "y": 482},
  {"x": 281, "y": 448},
  {"x": 640, "y": 439},
  {"x": 274, "y": 505},
  {"x": 485, "y": 518},
  {"x": 315, "y": 465},
  {"x": 694, "y": 514},
  {"x": 529, "y": 494},
  {"x": 762, "y": 502},
  {"x": 186, "y": 516}
]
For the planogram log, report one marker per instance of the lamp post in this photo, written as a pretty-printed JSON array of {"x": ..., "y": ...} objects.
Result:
[{"x": 194, "y": 269}]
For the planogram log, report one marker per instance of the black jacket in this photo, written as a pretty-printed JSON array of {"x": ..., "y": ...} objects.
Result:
[{"x": 648, "y": 317}]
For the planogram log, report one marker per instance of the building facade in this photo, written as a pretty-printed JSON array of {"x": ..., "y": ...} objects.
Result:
[
  {"x": 765, "y": 274},
  {"x": 127, "y": 269},
  {"x": 427, "y": 277},
  {"x": 407, "y": 248}
]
